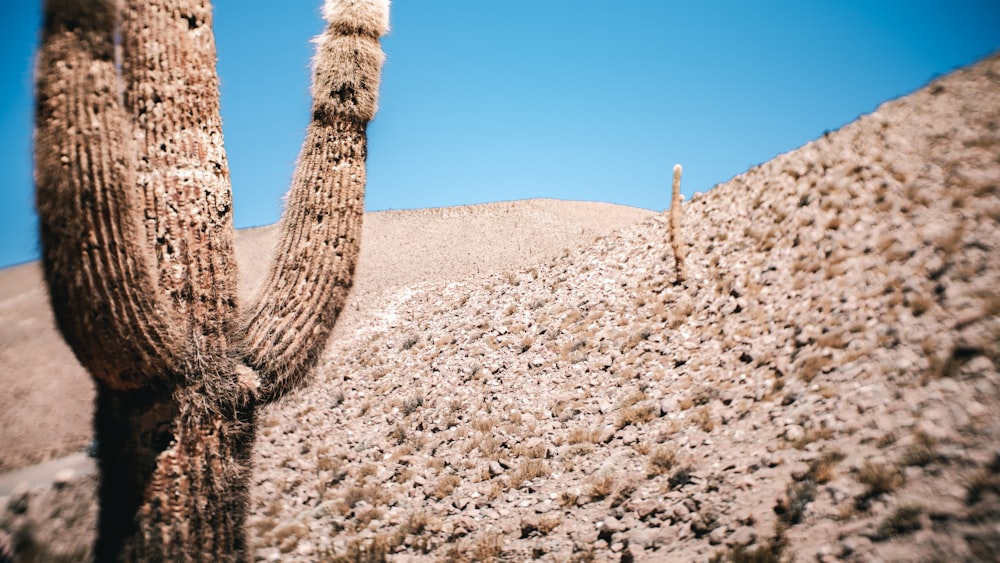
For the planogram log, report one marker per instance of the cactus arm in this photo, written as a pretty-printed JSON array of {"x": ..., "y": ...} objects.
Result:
[
  {"x": 172, "y": 96},
  {"x": 287, "y": 328},
  {"x": 93, "y": 257}
]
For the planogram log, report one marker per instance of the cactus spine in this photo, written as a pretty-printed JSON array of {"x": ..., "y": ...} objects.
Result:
[{"x": 135, "y": 207}]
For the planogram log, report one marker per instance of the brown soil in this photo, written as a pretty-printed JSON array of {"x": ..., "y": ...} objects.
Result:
[{"x": 823, "y": 386}]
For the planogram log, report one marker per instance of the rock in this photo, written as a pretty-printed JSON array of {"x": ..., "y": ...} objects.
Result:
[
  {"x": 852, "y": 545},
  {"x": 20, "y": 497},
  {"x": 305, "y": 548},
  {"x": 645, "y": 509},
  {"x": 608, "y": 529},
  {"x": 651, "y": 538},
  {"x": 529, "y": 525},
  {"x": 794, "y": 433},
  {"x": 629, "y": 436},
  {"x": 533, "y": 444},
  {"x": 544, "y": 506},
  {"x": 978, "y": 366},
  {"x": 681, "y": 513},
  {"x": 6, "y": 547},
  {"x": 718, "y": 535},
  {"x": 669, "y": 405},
  {"x": 631, "y": 553},
  {"x": 704, "y": 522},
  {"x": 587, "y": 535},
  {"x": 826, "y": 554},
  {"x": 742, "y": 537},
  {"x": 607, "y": 434},
  {"x": 799, "y": 470},
  {"x": 63, "y": 477}
]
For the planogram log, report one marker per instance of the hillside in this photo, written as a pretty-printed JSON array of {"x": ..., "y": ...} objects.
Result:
[
  {"x": 42, "y": 378},
  {"x": 823, "y": 386}
]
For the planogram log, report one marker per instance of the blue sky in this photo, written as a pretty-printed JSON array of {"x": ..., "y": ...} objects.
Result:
[{"x": 490, "y": 101}]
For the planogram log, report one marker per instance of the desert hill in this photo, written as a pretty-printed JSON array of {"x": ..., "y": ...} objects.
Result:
[
  {"x": 46, "y": 411},
  {"x": 824, "y": 385}
]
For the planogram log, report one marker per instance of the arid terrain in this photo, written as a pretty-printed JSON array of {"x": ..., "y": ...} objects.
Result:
[{"x": 529, "y": 380}]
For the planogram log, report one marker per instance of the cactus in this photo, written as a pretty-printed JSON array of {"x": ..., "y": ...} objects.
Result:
[
  {"x": 135, "y": 211},
  {"x": 680, "y": 251}
]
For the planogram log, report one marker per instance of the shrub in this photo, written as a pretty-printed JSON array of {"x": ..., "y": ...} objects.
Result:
[{"x": 661, "y": 460}]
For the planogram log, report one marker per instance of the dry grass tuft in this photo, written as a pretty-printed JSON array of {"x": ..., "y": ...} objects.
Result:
[
  {"x": 412, "y": 404},
  {"x": 356, "y": 494},
  {"x": 770, "y": 551},
  {"x": 879, "y": 478},
  {"x": 813, "y": 435},
  {"x": 375, "y": 550},
  {"x": 821, "y": 469},
  {"x": 922, "y": 452},
  {"x": 568, "y": 499},
  {"x": 808, "y": 367},
  {"x": 527, "y": 470},
  {"x": 901, "y": 521},
  {"x": 661, "y": 460},
  {"x": 703, "y": 418},
  {"x": 487, "y": 548},
  {"x": 446, "y": 485},
  {"x": 637, "y": 414},
  {"x": 983, "y": 482},
  {"x": 680, "y": 477},
  {"x": 792, "y": 506},
  {"x": 600, "y": 486},
  {"x": 534, "y": 451},
  {"x": 581, "y": 436},
  {"x": 288, "y": 534}
]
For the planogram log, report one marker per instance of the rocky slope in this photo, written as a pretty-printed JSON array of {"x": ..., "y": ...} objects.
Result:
[
  {"x": 46, "y": 409},
  {"x": 824, "y": 385}
]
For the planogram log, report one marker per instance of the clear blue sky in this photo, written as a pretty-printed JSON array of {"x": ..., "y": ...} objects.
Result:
[{"x": 490, "y": 101}]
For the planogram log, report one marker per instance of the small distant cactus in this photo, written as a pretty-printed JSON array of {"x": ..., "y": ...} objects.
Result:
[
  {"x": 680, "y": 250},
  {"x": 135, "y": 210}
]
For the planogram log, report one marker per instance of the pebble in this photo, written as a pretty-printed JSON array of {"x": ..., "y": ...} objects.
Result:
[
  {"x": 647, "y": 508},
  {"x": 544, "y": 507},
  {"x": 742, "y": 537},
  {"x": 718, "y": 535},
  {"x": 794, "y": 433},
  {"x": 19, "y": 499},
  {"x": 607, "y": 434},
  {"x": 63, "y": 477}
]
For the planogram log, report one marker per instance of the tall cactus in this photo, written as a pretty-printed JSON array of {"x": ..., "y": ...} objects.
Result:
[
  {"x": 135, "y": 208},
  {"x": 676, "y": 241}
]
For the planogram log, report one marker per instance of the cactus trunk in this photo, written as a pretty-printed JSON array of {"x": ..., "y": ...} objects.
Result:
[
  {"x": 676, "y": 238},
  {"x": 135, "y": 211},
  {"x": 174, "y": 481}
]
